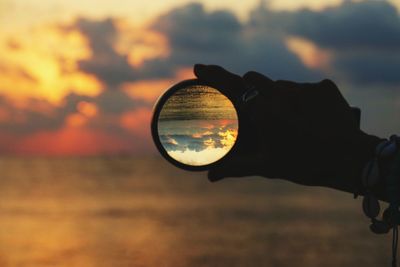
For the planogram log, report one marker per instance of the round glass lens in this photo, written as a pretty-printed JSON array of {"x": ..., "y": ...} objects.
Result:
[{"x": 197, "y": 125}]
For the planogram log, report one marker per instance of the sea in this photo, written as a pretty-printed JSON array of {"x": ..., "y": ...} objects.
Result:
[{"x": 122, "y": 211}]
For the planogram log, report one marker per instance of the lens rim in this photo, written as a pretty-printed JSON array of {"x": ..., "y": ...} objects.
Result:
[{"x": 154, "y": 125}]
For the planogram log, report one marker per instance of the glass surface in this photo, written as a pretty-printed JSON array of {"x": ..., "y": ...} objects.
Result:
[{"x": 198, "y": 125}]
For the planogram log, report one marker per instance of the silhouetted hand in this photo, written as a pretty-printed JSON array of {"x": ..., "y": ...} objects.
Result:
[{"x": 302, "y": 132}]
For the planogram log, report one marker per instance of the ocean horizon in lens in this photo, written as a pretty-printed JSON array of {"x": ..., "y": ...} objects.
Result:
[{"x": 198, "y": 125}]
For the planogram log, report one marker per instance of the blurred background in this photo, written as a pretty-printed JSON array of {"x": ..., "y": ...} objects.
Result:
[{"x": 81, "y": 183}]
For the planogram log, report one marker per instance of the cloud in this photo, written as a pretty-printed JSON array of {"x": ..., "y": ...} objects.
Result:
[
  {"x": 42, "y": 128},
  {"x": 363, "y": 36},
  {"x": 44, "y": 119},
  {"x": 38, "y": 116},
  {"x": 218, "y": 37},
  {"x": 191, "y": 27},
  {"x": 363, "y": 42},
  {"x": 106, "y": 63},
  {"x": 16, "y": 72},
  {"x": 362, "y": 39},
  {"x": 367, "y": 69},
  {"x": 352, "y": 25},
  {"x": 78, "y": 123},
  {"x": 117, "y": 102}
]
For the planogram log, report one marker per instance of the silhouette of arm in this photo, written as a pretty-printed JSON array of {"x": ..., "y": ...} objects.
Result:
[{"x": 302, "y": 132}]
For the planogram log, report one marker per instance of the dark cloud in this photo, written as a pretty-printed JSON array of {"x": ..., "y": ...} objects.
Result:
[
  {"x": 380, "y": 108},
  {"x": 366, "y": 69},
  {"x": 116, "y": 102},
  {"x": 265, "y": 21},
  {"x": 194, "y": 36},
  {"x": 219, "y": 38},
  {"x": 363, "y": 37},
  {"x": 41, "y": 115},
  {"x": 352, "y": 25},
  {"x": 106, "y": 63},
  {"x": 191, "y": 28},
  {"x": 38, "y": 115}
]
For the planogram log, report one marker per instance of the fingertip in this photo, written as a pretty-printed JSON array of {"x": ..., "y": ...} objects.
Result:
[
  {"x": 199, "y": 65},
  {"x": 211, "y": 72},
  {"x": 248, "y": 75},
  {"x": 198, "y": 69},
  {"x": 330, "y": 87},
  {"x": 327, "y": 83}
]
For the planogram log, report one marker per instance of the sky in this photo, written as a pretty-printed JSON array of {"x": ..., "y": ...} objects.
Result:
[{"x": 81, "y": 77}]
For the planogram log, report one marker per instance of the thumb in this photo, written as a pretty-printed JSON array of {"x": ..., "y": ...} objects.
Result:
[{"x": 229, "y": 84}]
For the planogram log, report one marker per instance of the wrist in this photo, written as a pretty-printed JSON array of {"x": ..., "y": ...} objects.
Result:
[
  {"x": 364, "y": 151},
  {"x": 384, "y": 170},
  {"x": 356, "y": 152},
  {"x": 383, "y": 153}
]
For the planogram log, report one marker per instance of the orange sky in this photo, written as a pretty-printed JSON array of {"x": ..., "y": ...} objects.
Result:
[
  {"x": 41, "y": 50},
  {"x": 40, "y": 68}
]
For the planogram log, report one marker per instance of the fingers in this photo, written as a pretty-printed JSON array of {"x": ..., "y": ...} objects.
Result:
[
  {"x": 229, "y": 84},
  {"x": 290, "y": 88},
  {"x": 256, "y": 78},
  {"x": 260, "y": 82},
  {"x": 215, "y": 74},
  {"x": 331, "y": 88},
  {"x": 324, "y": 88},
  {"x": 320, "y": 105}
]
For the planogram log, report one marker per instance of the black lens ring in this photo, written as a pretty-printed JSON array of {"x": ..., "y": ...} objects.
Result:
[{"x": 154, "y": 126}]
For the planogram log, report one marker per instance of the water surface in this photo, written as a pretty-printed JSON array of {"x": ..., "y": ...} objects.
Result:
[{"x": 117, "y": 212}]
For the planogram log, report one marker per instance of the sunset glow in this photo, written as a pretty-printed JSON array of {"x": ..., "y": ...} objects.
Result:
[
  {"x": 74, "y": 73},
  {"x": 311, "y": 55}
]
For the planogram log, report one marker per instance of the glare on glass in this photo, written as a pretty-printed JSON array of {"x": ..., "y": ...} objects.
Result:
[{"x": 197, "y": 125}]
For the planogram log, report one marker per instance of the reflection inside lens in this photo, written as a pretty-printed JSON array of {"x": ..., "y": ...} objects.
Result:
[{"x": 198, "y": 125}]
